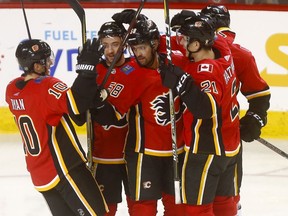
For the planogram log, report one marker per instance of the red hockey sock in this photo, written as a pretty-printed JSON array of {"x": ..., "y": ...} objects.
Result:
[
  {"x": 130, "y": 203},
  {"x": 199, "y": 210},
  {"x": 144, "y": 208},
  {"x": 170, "y": 208},
  {"x": 224, "y": 206},
  {"x": 237, "y": 198}
]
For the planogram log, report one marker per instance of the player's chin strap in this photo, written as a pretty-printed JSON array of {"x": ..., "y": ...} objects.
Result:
[
  {"x": 191, "y": 52},
  {"x": 42, "y": 62},
  {"x": 43, "y": 73}
]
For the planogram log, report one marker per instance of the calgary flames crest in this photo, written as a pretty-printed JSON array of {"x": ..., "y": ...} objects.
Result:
[{"x": 160, "y": 105}]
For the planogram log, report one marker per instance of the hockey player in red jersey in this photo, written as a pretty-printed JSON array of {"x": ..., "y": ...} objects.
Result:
[
  {"x": 253, "y": 87},
  {"x": 109, "y": 166},
  {"x": 137, "y": 90},
  {"x": 41, "y": 106},
  {"x": 250, "y": 83},
  {"x": 207, "y": 86}
]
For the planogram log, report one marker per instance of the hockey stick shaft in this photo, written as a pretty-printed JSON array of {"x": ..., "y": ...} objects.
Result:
[
  {"x": 120, "y": 49},
  {"x": 172, "y": 108},
  {"x": 78, "y": 9},
  {"x": 26, "y": 21},
  {"x": 273, "y": 147}
]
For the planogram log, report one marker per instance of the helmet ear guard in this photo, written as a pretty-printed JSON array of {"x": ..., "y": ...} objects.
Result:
[
  {"x": 152, "y": 43},
  {"x": 30, "y": 52}
]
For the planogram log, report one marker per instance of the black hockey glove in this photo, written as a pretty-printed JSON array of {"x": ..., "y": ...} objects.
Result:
[
  {"x": 174, "y": 77},
  {"x": 179, "y": 19},
  {"x": 88, "y": 57},
  {"x": 126, "y": 16},
  {"x": 250, "y": 126}
]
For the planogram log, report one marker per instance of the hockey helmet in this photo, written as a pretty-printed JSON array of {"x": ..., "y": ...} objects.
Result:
[
  {"x": 111, "y": 29},
  {"x": 145, "y": 31},
  {"x": 220, "y": 12},
  {"x": 32, "y": 51},
  {"x": 199, "y": 28}
]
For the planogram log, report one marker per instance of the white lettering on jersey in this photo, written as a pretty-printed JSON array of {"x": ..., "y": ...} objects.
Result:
[
  {"x": 228, "y": 73},
  {"x": 17, "y": 104}
]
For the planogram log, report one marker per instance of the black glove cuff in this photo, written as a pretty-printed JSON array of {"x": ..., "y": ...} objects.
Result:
[
  {"x": 182, "y": 81},
  {"x": 257, "y": 117},
  {"x": 86, "y": 70},
  {"x": 85, "y": 67}
]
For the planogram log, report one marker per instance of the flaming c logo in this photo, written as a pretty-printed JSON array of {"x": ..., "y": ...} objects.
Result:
[{"x": 161, "y": 107}]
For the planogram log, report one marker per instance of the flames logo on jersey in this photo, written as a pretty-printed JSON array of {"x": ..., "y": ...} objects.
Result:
[
  {"x": 161, "y": 107},
  {"x": 120, "y": 124}
]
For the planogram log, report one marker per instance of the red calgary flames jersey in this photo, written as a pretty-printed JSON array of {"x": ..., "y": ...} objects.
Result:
[
  {"x": 218, "y": 134},
  {"x": 252, "y": 84},
  {"x": 51, "y": 149},
  {"x": 109, "y": 140},
  {"x": 138, "y": 91}
]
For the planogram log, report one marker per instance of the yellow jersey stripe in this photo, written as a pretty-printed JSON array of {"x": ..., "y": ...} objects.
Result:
[
  {"x": 138, "y": 177},
  {"x": 203, "y": 179},
  {"x": 72, "y": 102},
  {"x": 258, "y": 94}
]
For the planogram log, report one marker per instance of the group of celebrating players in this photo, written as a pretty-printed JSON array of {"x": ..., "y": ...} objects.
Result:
[{"x": 131, "y": 117}]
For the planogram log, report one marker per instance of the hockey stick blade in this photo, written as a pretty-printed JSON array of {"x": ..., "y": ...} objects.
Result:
[
  {"x": 125, "y": 38},
  {"x": 273, "y": 147},
  {"x": 78, "y": 9},
  {"x": 177, "y": 189}
]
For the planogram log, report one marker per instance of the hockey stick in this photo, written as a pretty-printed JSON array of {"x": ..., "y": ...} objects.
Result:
[
  {"x": 78, "y": 9},
  {"x": 272, "y": 147},
  {"x": 25, "y": 18},
  {"x": 119, "y": 51},
  {"x": 172, "y": 108}
]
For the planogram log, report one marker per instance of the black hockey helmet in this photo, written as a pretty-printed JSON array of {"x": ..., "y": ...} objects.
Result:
[
  {"x": 199, "y": 28},
  {"x": 145, "y": 31},
  {"x": 32, "y": 51},
  {"x": 112, "y": 29},
  {"x": 220, "y": 12}
]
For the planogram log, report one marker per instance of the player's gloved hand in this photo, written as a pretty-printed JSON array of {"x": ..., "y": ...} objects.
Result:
[
  {"x": 126, "y": 16},
  {"x": 88, "y": 57},
  {"x": 250, "y": 126},
  {"x": 174, "y": 77},
  {"x": 179, "y": 19},
  {"x": 100, "y": 98}
]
